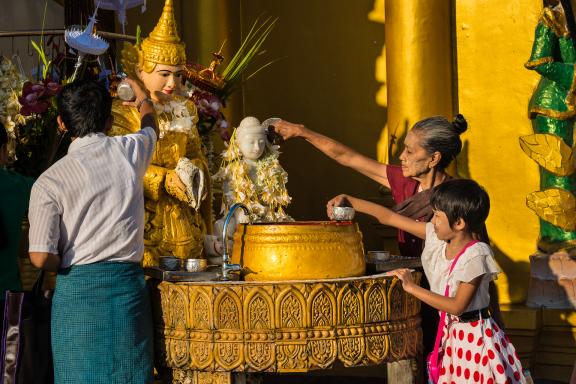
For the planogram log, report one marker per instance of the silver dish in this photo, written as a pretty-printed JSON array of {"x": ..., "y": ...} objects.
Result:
[
  {"x": 343, "y": 213},
  {"x": 377, "y": 256},
  {"x": 195, "y": 265},
  {"x": 169, "y": 263}
]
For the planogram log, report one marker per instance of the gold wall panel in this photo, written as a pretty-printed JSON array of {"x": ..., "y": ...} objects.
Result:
[
  {"x": 493, "y": 41},
  {"x": 293, "y": 326}
]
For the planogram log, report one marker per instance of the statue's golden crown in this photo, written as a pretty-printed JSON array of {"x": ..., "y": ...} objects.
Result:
[{"x": 164, "y": 46}]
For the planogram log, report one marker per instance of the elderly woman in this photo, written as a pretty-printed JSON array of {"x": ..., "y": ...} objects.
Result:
[{"x": 429, "y": 148}]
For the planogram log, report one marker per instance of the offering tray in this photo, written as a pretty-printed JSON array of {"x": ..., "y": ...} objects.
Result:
[
  {"x": 394, "y": 262},
  {"x": 212, "y": 273}
]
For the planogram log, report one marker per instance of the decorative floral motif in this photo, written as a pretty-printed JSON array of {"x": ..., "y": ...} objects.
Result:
[
  {"x": 295, "y": 344},
  {"x": 173, "y": 116},
  {"x": 210, "y": 116}
]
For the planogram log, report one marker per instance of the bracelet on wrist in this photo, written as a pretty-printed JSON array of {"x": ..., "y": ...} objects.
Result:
[{"x": 139, "y": 104}]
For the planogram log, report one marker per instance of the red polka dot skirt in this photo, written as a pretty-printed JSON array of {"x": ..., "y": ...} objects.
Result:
[{"x": 478, "y": 352}]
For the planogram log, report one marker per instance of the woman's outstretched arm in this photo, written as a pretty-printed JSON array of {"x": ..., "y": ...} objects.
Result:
[
  {"x": 382, "y": 214},
  {"x": 336, "y": 151}
]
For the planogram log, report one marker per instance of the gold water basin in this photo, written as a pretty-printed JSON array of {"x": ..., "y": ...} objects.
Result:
[{"x": 299, "y": 250}]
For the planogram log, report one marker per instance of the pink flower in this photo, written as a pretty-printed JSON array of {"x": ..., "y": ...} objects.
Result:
[
  {"x": 36, "y": 97},
  {"x": 52, "y": 88},
  {"x": 38, "y": 107},
  {"x": 38, "y": 88},
  {"x": 31, "y": 99}
]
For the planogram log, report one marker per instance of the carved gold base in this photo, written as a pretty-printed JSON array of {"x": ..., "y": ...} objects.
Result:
[
  {"x": 292, "y": 326},
  {"x": 180, "y": 376}
]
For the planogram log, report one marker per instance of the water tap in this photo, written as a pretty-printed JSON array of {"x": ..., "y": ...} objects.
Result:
[{"x": 227, "y": 267}]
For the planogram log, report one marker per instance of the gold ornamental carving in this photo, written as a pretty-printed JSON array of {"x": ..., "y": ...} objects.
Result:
[{"x": 283, "y": 326}]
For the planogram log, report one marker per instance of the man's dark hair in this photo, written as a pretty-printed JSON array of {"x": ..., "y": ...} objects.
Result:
[
  {"x": 84, "y": 106},
  {"x": 3, "y": 135},
  {"x": 462, "y": 199}
]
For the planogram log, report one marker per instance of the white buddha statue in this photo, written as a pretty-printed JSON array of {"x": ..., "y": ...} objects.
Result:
[{"x": 251, "y": 174}]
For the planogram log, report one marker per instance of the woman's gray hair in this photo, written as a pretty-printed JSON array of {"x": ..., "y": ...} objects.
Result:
[{"x": 437, "y": 134}]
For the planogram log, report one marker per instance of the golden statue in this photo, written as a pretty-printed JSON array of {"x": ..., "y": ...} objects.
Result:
[{"x": 177, "y": 186}]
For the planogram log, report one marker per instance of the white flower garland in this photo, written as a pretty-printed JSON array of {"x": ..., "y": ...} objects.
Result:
[
  {"x": 173, "y": 116},
  {"x": 11, "y": 82},
  {"x": 267, "y": 196}
]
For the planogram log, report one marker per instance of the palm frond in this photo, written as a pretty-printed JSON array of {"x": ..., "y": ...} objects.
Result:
[{"x": 249, "y": 48}]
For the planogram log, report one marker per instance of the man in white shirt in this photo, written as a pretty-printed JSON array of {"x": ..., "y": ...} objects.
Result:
[{"x": 86, "y": 222}]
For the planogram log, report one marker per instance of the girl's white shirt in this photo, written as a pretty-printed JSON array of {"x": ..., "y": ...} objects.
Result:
[{"x": 477, "y": 260}]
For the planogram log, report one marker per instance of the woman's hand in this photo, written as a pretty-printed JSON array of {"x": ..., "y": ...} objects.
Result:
[
  {"x": 338, "y": 201},
  {"x": 288, "y": 130},
  {"x": 405, "y": 275}
]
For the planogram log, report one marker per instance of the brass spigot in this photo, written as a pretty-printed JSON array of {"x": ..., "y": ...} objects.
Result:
[{"x": 227, "y": 267}]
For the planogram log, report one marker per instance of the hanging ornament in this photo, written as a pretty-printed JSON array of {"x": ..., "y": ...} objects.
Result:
[
  {"x": 121, "y": 6},
  {"x": 85, "y": 42}
]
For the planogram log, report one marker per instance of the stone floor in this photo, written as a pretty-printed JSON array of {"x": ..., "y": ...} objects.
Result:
[{"x": 307, "y": 379}]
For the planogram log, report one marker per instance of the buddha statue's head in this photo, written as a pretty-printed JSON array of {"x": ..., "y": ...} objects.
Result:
[
  {"x": 159, "y": 60},
  {"x": 251, "y": 138}
]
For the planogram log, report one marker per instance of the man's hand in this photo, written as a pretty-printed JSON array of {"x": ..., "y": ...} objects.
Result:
[
  {"x": 144, "y": 105},
  {"x": 139, "y": 92},
  {"x": 46, "y": 261}
]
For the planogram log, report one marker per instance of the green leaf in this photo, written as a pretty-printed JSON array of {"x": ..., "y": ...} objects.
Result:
[
  {"x": 40, "y": 51},
  {"x": 249, "y": 48},
  {"x": 138, "y": 33}
]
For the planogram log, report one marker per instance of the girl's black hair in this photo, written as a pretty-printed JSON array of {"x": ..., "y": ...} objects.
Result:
[{"x": 462, "y": 199}]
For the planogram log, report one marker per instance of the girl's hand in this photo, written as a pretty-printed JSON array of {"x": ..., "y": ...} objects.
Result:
[
  {"x": 338, "y": 201},
  {"x": 288, "y": 130},
  {"x": 405, "y": 275}
]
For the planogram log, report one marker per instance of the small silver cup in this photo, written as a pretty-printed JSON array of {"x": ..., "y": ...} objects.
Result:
[
  {"x": 377, "y": 256},
  {"x": 169, "y": 263},
  {"x": 343, "y": 213},
  {"x": 195, "y": 265}
]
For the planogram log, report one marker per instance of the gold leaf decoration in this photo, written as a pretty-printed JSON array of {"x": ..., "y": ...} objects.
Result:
[
  {"x": 554, "y": 205},
  {"x": 550, "y": 152}
]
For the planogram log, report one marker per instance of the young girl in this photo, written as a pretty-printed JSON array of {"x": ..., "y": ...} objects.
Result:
[{"x": 472, "y": 348}]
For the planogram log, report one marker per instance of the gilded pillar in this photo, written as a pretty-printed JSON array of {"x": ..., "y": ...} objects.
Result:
[{"x": 418, "y": 66}]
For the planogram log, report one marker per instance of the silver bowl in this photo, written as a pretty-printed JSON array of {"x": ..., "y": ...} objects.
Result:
[
  {"x": 343, "y": 213},
  {"x": 169, "y": 263},
  {"x": 195, "y": 265},
  {"x": 377, "y": 256}
]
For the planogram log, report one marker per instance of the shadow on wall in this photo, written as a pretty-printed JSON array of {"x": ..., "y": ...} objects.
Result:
[
  {"x": 515, "y": 271},
  {"x": 550, "y": 343}
]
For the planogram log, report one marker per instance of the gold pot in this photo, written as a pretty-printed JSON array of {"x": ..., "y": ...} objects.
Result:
[{"x": 299, "y": 250}]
